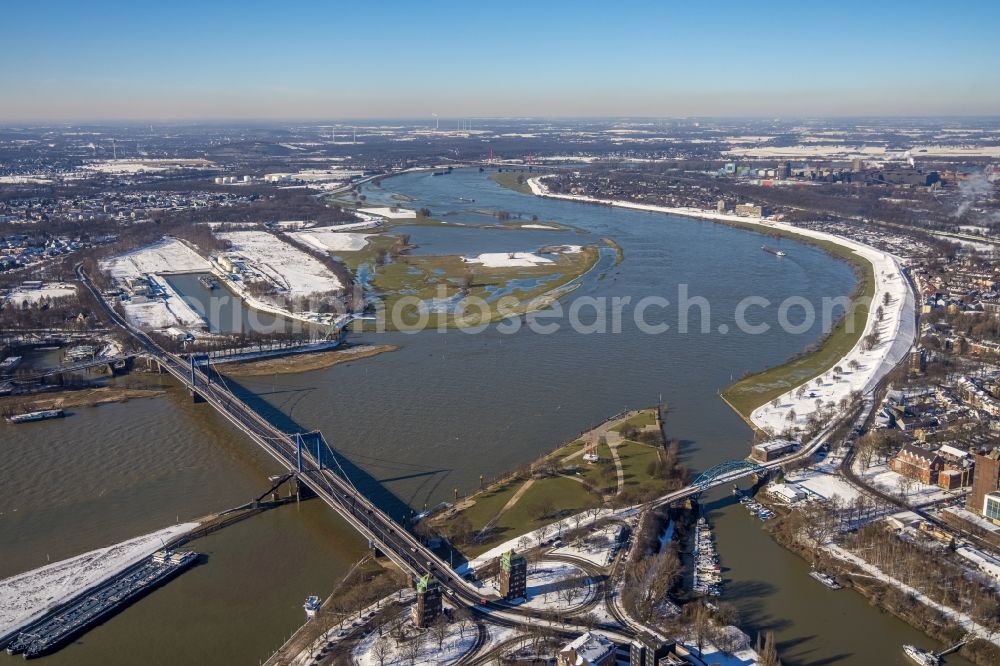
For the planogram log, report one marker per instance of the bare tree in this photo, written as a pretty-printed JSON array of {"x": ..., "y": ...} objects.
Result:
[
  {"x": 411, "y": 648},
  {"x": 382, "y": 649},
  {"x": 465, "y": 620},
  {"x": 440, "y": 630}
]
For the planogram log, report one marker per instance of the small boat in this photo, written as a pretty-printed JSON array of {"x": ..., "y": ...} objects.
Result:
[
  {"x": 311, "y": 606},
  {"x": 773, "y": 250},
  {"x": 923, "y": 657},
  {"x": 43, "y": 415},
  {"x": 826, "y": 579}
]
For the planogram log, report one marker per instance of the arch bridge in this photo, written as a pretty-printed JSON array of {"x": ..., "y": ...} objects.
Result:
[{"x": 730, "y": 470}]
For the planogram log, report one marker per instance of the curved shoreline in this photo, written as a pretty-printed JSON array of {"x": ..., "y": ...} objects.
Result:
[{"x": 897, "y": 329}]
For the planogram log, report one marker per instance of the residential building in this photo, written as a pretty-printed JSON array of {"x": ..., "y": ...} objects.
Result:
[
  {"x": 991, "y": 506},
  {"x": 957, "y": 468},
  {"x": 985, "y": 481},
  {"x": 751, "y": 210},
  {"x": 917, "y": 463},
  {"x": 647, "y": 650},
  {"x": 589, "y": 649}
]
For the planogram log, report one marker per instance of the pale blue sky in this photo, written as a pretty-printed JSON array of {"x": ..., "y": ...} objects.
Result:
[{"x": 328, "y": 60}]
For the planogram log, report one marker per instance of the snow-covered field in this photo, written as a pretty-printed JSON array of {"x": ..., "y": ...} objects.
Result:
[
  {"x": 458, "y": 641},
  {"x": 917, "y": 494},
  {"x": 534, "y": 537},
  {"x": 388, "y": 212},
  {"x": 331, "y": 239},
  {"x": 825, "y": 486},
  {"x": 50, "y": 290},
  {"x": 168, "y": 255},
  {"x": 297, "y": 273},
  {"x": 548, "y": 582},
  {"x": 27, "y": 596},
  {"x": 596, "y": 547},
  {"x": 507, "y": 259},
  {"x": 897, "y": 328}
]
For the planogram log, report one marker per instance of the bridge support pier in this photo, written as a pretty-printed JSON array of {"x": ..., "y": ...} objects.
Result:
[
  {"x": 196, "y": 397},
  {"x": 302, "y": 491}
]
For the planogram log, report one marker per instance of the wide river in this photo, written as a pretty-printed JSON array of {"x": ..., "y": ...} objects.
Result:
[{"x": 418, "y": 424}]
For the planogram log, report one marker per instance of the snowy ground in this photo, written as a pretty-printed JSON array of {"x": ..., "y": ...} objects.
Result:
[
  {"x": 596, "y": 547},
  {"x": 897, "y": 328},
  {"x": 546, "y": 585},
  {"x": 507, "y": 259},
  {"x": 457, "y": 643},
  {"x": 744, "y": 656},
  {"x": 297, "y": 273},
  {"x": 824, "y": 486},
  {"x": 168, "y": 255},
  {"x": 537, "y": 226},
  {"x": 27, "y": 596},
  {"x": 535, "y": 536},
  {"x": 49, "y": 290},
  {"x": 388, "y": 212},
  {"x": 919, "y": 494},
  {"x": 165, "y": 256},
  {"x": 331, "y": 239}
]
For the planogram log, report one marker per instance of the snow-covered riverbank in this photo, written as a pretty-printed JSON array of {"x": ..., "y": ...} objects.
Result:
[{"x": 897, "y": 329}]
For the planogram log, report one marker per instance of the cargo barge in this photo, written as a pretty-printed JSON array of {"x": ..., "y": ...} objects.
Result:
[
  {"x": 773, "y": 250},
  {"x": 74, "y": 619},
  {"x": 29, "y": 417}
]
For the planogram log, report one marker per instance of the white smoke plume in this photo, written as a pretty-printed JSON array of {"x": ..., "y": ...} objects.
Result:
[{"x": 971, "y": 190}]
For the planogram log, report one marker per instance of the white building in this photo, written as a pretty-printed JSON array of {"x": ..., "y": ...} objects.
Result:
[
  {"x": 590, "y": 649},
  {"x": 786, "y": 492}
]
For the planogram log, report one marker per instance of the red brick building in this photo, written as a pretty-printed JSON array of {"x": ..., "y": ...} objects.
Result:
[
  {"x": 917, "y": 463},
  {"x": 986, "y": 481}
]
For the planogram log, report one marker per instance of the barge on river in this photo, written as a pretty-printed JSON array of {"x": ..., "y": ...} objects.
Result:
[
  {"x": 57, "y": 629},
  {"x": 42, "y": 415}
]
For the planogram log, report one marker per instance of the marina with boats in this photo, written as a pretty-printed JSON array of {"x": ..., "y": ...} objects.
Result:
[
  {"x": 756, "y": 508},
  {"x": 707, "y": 578}
]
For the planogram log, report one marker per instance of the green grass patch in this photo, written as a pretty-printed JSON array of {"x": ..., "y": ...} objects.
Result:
[
  {"x": 619, "y": 252},
  {"x": 565, "y": 495},
  {"x": 595, "y": 474},
  {"x": 757, "y": 389},
  {"x": 489, "y": 503},
  {"x": 636, "y": 459},
  {"x": 445, "y": 277},
  {"x": 646, "y": 417},
  {"x": 513, "y": 180}
]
